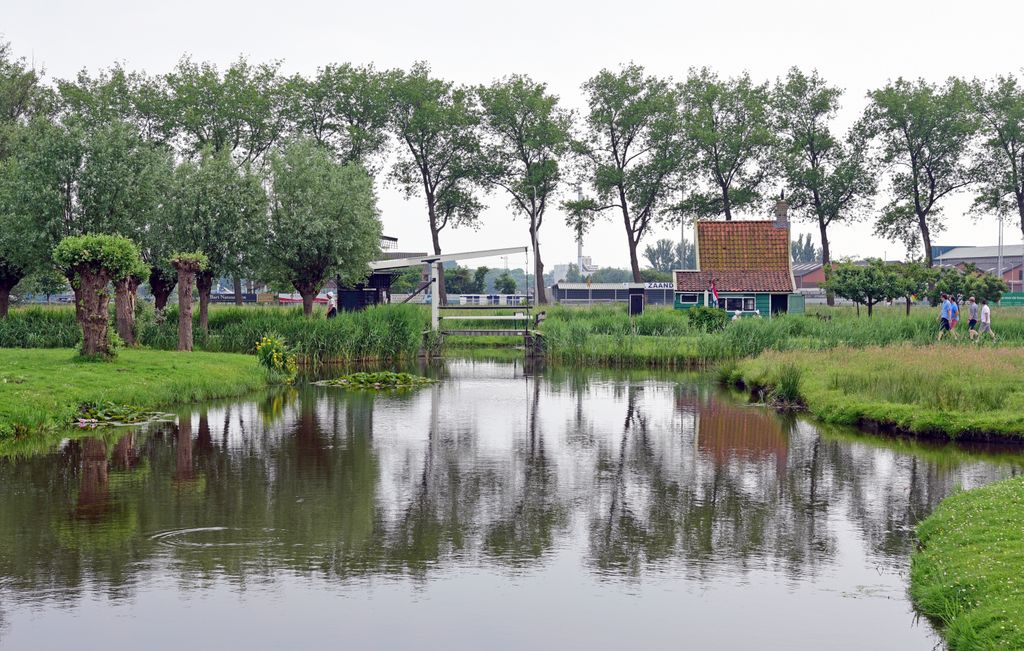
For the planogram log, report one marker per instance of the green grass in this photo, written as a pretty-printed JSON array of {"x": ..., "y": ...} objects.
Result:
[
  {"x": 952, "y": 391},
  {"x": 385, "y": 332},
  {"x": 969, "y": 571},
  {"x": 41, "y": 390},
  {"x": 662, "y": 336}
]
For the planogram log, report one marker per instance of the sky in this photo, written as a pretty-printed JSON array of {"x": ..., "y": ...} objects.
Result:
[{"x": 855, "y": 45}]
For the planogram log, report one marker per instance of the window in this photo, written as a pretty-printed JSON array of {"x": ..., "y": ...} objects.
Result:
[
  {"x": 685, "y": 299},
  {"x": 741, "y": 303}
]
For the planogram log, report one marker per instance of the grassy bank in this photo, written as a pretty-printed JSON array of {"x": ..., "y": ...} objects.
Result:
[
  {"x": 41, "y": 390},
  {"x": 969, "y": 570},
  {"x": 606, "y": 335},
  {"x": 949, "y": 391}
]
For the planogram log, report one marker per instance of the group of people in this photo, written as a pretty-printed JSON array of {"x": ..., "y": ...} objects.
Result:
[{"x": 979, "y": 318}]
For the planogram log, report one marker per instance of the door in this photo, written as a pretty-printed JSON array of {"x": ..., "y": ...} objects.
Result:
[{"x": 780, "y": 303}]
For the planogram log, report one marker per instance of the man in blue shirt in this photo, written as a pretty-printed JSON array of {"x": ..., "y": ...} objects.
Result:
[{"x": 945, "y": 312}]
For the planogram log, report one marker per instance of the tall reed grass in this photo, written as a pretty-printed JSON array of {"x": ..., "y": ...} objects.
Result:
[
  {"x": 606, "y": 334},
  {"x": 383, "y": 332}
]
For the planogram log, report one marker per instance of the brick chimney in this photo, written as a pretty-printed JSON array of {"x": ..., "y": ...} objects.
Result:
[{"x": 782, "y": 211}]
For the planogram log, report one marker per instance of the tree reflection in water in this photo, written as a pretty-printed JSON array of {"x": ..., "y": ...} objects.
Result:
[{"x": 634, "y": 471}]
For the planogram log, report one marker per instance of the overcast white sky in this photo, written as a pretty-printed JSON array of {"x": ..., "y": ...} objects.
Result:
[{"x": 856, "y": 45}]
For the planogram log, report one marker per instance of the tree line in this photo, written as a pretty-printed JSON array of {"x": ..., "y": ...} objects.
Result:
[{"x": 189, "y": 160}]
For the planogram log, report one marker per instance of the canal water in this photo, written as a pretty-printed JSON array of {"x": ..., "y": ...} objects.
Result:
[{"x": 502, "y": 508}]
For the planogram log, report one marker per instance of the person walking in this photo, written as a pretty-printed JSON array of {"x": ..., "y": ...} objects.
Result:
[
  {"x": 972, "y": 315},
  {"x": 986, "y": 321},
  {"x": 332, "y": 306},
  {"x": 954, "y": 315},
  {"x": 944, "y": 316}
]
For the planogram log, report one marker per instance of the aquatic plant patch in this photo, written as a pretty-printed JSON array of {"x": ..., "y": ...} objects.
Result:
[
  {"x": 379, "y": 380},
  {"x": 111, "y": 413}
]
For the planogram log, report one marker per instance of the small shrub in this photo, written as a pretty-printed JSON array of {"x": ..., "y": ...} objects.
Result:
[
  {"x": 274, "y": 355},
  {"x": 707, "y": 319}
]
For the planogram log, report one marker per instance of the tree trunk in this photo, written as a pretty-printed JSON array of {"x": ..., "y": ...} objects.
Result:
[
  {"x": 124, "y": 308},
  {"x": 908, "y": 306},
  {"x": 540, "y": 297},
  {"x": 308, "y": 293},
  {"x": 161, "y": 284},
  {"x": 93, "y": 312},
  {"x": 238, "y": 291},
  {"x": 926, "y": 239},
  {"x": 826, "y": 261},
  {"x": 185, "y": 277},
  {"x": 870, "y": 305},
  {"x": 633, "y": 262},
  {"x": 439, "y": 293},
  {"x": 5, "y": 295},
  {"x": 204, "y": 283},
  {"x": 726, "y": 204}
]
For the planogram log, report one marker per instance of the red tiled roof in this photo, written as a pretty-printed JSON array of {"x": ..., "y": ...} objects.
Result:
[
  {"x": 742, "y": 246},
  {"x": 734, "y": 281}
]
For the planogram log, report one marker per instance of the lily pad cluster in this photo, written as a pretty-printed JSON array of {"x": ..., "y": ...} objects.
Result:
[
  {"x": 92, "y": 414},
  {"x": 377, "y": 381}
]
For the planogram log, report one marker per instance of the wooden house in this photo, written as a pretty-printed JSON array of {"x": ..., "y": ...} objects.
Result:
[{"x": 747, "y": 263}]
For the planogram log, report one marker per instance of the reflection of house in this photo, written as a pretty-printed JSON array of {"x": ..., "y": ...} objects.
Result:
[
  {"x": 746, "y": 262},
  {"x": 727, "y": 432}
]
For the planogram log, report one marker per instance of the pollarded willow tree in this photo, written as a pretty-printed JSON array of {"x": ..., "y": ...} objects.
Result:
[
  {"x": 830, "y": 180},
  {"x": 90, "y": 263},
  {"x": 1000, "y": 161},
  {"x": 525, "y": 136},
  {"x": 436, "y": 124},
  {"x": 727, "y": 132},
  {"x": 925, "y": 132},
  {"x": 322, "y": 222},
  {"x": 632, "y": 153},
  {"x": 217, "y": 209},
  {"x": 188, "y": 265}
]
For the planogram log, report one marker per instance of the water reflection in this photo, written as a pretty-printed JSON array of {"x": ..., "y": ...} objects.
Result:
[{"x": 626, "y": 478}]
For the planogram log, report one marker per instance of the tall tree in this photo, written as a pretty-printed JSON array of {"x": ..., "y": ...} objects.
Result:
[
  {"x": 218, "y": 210},
  {"x": 118, "y": 95},
  {"x": 830, "y": 180},
  {"x": 526, "y": 133},
  {"x": 240, "y": 111},
  {"x": 22, "y": 96},
  {"x": 632, "y": 151},
  {"x": 323, "y": 220},
  {"x": 123, "y": 186},
  {"x": 38, "y": 197},
  {"x": 802, "y": 249},
  {"x": 1000, "y": 162},
  {"x": 662, "y": 255},
  {"x": 686, "y": 255},
  {"x": 727, "y": 132},
  {"x": 924, "y": 132},
  {"x": 437, "y": 125},
  {"x": 343, "y": 108}
]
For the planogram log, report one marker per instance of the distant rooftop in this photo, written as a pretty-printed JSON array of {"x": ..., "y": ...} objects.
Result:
[{"x": 962, "y": 252}]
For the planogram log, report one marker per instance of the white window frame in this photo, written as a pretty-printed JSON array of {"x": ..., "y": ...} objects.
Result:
[
  {"x": 696, "y": 298},
  {"x": 743, "y": 301}
]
